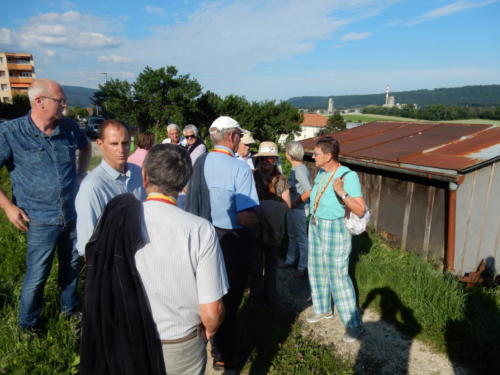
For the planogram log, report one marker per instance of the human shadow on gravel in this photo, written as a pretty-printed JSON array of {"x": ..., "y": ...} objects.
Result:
[{"x": 395, "y": 352}]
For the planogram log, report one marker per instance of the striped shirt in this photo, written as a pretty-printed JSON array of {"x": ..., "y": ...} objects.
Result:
[{"x": 181, "y": 267}]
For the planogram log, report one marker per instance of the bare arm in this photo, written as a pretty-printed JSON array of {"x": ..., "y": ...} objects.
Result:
[
  {"x": 247, "y": 218},
  {"x": 286, "y": 197},
  {"x": 355, "y": 204},
  {"x": 16, "y": 216},
  {"x": 212, "y": 315},
  {"x": 305, "y": 196}
]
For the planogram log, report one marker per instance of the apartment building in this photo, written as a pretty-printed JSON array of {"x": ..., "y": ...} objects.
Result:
[{"x": 17, "y": 71}]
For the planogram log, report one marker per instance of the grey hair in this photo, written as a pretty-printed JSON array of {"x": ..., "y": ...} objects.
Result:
[
  {"x": 173, "y": 127},
  {"x": 191, "y": 128},
  {"x": 217, "y": 135},
  {"x": 168, "y": 167},
  {"x": 40, "y": 87},
  {"x": 295, "y": 150}
]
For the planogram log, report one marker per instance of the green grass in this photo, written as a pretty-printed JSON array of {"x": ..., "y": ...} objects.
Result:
[
  {"x": 361, "y": 117},
  {"x": 411, "y": 294},
  {"x": 423, "y": 302}
]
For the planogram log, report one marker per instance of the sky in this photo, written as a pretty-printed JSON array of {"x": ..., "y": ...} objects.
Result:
[{"x": 262, "y": 49}]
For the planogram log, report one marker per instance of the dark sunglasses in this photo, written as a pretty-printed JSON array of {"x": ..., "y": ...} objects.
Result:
[{"x": 190, "y": 136}]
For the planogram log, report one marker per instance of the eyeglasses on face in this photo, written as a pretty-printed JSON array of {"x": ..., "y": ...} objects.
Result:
[
  {"x": 190, "y": 136},
  {"x": 60, "y": 101}
]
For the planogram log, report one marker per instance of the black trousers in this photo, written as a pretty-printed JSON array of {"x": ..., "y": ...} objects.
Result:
[
  {"x": 263, "y": 274},
  {"x": 236, "y": 248}
]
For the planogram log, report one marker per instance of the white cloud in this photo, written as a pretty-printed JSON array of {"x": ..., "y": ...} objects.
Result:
[
  {"x": 237, "y": 36},
  {"x": 72, "y": 30},
  {"x": 114, "y": 59},
  {"x": 49, "y": 53},
  {"x": 354, "y": 36},
  {"x": 154, "y": 10},
  {"x": 5, "y": 36},
  {"x": 446, "y": 10}
]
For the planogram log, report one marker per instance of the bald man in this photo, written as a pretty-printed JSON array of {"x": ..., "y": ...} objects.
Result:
[{"x": 39, "y": 150}]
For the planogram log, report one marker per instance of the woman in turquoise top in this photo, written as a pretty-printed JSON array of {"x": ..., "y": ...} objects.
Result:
[{"x": 329, "y": 240}]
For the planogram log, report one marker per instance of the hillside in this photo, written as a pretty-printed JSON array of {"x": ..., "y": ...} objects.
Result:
[
  {"x": 487, "y": 95},
  {"x": 79, "y": 96}
]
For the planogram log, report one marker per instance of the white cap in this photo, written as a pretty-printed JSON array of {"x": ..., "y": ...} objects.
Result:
[{"x": 225, "y": 122}]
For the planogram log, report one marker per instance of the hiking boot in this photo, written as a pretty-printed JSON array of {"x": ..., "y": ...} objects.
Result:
[
  {"x": 314, "y": 318},
  {"x": 352, "y": 335}
]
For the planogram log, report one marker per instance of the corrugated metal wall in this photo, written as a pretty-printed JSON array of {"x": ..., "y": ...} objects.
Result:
[
  {"x": 410, "y": 213},
  {"x": 478, "y": 219}
]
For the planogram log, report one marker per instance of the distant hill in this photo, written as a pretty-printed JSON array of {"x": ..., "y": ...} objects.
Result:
[
  {"x": 488, "y": 95},
  {"x": 79, "y": 96}
]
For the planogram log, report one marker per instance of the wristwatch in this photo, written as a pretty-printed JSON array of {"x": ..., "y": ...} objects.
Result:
[{"x": 344, "y": 196}]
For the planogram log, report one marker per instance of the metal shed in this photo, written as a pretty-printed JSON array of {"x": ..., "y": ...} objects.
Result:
[{"x": 432, "y": 187}]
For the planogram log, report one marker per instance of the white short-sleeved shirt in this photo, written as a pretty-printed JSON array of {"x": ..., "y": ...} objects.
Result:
[{"x": 181, "y": 267}]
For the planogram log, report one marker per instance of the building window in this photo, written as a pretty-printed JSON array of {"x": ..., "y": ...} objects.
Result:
[
  {"x": 25, "y": 74},
  {"x": 2, "y": 73},
  {"x": 4, "y": 87},
  {"x": 6, "y": 99},
  {"x": 1, "y": 60}
]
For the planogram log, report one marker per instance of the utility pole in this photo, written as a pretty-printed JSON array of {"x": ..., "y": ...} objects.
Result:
[{"x": 106, "y": 76}]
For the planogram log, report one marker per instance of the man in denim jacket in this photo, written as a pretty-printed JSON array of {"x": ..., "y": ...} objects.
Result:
[{"x": 39, "y": 150}]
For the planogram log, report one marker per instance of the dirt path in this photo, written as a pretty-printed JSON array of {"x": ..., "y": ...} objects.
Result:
[{"x": 382, "y": 350}]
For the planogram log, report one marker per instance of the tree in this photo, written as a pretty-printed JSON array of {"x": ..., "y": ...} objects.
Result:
[
  {"x": 77, "y": 112},
  {"x": 334, "y": 124}
]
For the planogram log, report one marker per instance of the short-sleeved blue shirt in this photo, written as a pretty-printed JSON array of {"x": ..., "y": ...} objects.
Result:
[
  {"x": 330, "y": 207},
  {"x": 42, "y": 168},
  {"x": 231, "y": 186}
]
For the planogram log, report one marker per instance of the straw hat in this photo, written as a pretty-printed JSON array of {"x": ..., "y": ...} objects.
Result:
[{"x": 267, "y": 149}]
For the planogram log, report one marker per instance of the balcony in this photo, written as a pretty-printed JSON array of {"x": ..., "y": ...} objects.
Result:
[
  {"x": 25, "y": 80},
  {"x": 23, "y": 67}
]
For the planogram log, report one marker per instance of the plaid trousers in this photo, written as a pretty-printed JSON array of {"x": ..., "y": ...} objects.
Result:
[{"x": 329, "y": 250}]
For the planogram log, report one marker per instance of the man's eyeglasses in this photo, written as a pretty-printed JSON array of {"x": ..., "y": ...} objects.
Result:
[
  {"x": 190, "y": 136},
  {"x": 58, "y": 101}
]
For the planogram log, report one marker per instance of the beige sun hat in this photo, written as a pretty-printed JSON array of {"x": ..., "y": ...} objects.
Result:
[
  {"x": 247, "y": 138},
  {"x": 267, "y": 149}
]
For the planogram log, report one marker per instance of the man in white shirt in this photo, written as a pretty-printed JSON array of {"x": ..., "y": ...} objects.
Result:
[{"x": 181, "y": 265}]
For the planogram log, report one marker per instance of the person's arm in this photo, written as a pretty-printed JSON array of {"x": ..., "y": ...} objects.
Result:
[
  {"x": 286, "y": 197},
  {"x": 303, "y": 198},
  {"x": 16, "y": 215},
  {"x": 88, "y": 209},
  {"x": 212, "y": 315},
  {"x": 355, "y": 204},
  {"x": 246, "y": 198}
]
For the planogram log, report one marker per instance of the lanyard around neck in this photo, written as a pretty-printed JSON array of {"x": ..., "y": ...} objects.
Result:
[
  {"x": 222, "y": 151},
  {"x": 159, "y": 197}
]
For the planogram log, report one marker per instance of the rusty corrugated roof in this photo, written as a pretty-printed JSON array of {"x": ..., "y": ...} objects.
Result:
[
  {"x": 314, "y": 119},
  {"x": 444, "y": 146}
]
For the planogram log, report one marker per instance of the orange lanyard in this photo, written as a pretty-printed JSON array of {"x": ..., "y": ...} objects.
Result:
[
  {"x": 318, "y": 197},
  {"x": 159, "y": 197},
  {"x": 222, "y": 151}
]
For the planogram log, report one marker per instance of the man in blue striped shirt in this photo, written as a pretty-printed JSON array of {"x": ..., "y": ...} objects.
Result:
[{"x": 112, "y": 177}]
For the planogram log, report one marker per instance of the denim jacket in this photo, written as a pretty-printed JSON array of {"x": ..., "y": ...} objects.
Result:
[{"x": 42, "y": 167}]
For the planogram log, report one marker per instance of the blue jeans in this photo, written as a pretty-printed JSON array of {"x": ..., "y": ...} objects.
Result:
[
  {"x": 297, "y": 238},
  {"x": 42, "y": 240}
]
